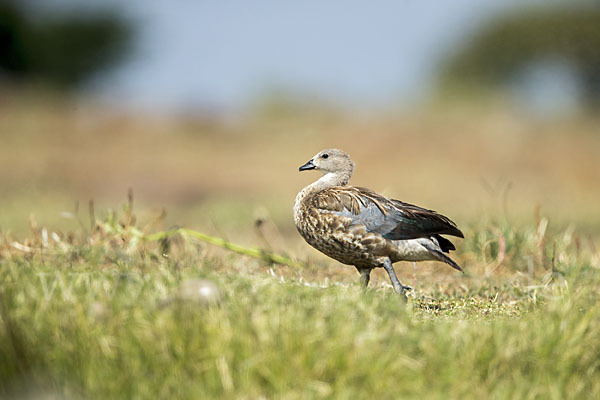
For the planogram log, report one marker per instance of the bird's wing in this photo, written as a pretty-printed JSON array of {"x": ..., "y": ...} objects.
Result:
[{"x": 393, "y": 219}]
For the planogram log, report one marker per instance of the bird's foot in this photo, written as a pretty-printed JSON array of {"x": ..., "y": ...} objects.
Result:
[{"x": 401, "y": 289}]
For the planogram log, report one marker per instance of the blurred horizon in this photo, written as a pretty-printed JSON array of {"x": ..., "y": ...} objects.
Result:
[{"x": 223, "y": 56}]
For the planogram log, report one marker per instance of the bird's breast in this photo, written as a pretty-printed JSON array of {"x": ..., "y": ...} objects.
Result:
[{"x": 336, "y": 237}]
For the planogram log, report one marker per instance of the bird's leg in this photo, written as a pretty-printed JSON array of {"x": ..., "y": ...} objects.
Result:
[
  {"x": 389, "y": 268},
  {"x": 365, "y": 276},
  {"x": 415, "y": 274}
]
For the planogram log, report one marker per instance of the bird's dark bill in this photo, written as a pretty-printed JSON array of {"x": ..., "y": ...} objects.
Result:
[{"x": 307, "y": 166}]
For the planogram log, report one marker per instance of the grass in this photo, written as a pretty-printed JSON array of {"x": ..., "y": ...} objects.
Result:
[{"x": 83, "y": 314}]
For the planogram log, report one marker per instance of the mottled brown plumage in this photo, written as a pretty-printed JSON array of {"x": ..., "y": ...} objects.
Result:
[{"x": 359, "y": 227}]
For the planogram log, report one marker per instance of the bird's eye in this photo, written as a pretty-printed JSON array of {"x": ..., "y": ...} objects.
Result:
[{"x": 325, "y": 155}]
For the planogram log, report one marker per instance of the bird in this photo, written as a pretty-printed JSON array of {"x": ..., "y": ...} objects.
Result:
[{"x": 357, "y": 226}]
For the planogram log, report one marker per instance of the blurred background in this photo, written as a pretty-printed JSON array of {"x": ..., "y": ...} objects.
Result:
[{"x": 480, "y": 110}]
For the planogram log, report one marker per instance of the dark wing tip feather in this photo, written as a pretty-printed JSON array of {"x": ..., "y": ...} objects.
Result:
[
  {"x": 456, "y": 232},
  {"x": 430, "y": 221}
]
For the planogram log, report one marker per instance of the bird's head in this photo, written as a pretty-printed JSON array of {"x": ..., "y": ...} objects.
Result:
[{"x": 330, "y": 161}]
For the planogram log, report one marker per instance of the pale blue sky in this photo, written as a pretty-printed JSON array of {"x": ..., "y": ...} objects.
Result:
[{"x": 224, "y": 53}]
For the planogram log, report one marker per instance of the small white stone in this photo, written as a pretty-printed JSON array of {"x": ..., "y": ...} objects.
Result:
[
  {"x": 98, "y": 311},
  {"x": 199, "y": 290}
]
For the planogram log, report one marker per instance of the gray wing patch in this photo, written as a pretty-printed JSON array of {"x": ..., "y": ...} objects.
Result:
[{"x": 372, "y": 218}]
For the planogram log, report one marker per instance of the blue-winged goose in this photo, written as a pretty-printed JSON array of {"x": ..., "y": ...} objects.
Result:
[{"x": 359, "y": 227}]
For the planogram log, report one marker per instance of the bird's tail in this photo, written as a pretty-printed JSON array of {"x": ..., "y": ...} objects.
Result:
[
  {"x": 444, "y": 258},
  {"x": 440, "y": 256}
]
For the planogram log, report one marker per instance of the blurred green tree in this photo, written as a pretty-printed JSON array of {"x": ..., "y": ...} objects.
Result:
[
  {"x": 494, "y": 54},
  {"x": 59, "y": 50}
]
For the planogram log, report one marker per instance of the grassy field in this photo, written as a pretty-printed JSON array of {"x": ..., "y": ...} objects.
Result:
[{"x": 95, "y": 305}]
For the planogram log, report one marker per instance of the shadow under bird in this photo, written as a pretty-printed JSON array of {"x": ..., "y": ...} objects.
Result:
[{"x": 359, "y": 227}]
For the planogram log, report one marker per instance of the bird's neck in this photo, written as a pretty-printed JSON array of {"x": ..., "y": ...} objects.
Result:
[{"x": 327, "y": 181}]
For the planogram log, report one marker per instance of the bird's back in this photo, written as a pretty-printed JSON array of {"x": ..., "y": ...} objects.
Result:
[{"x": 357, "y": 226}]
